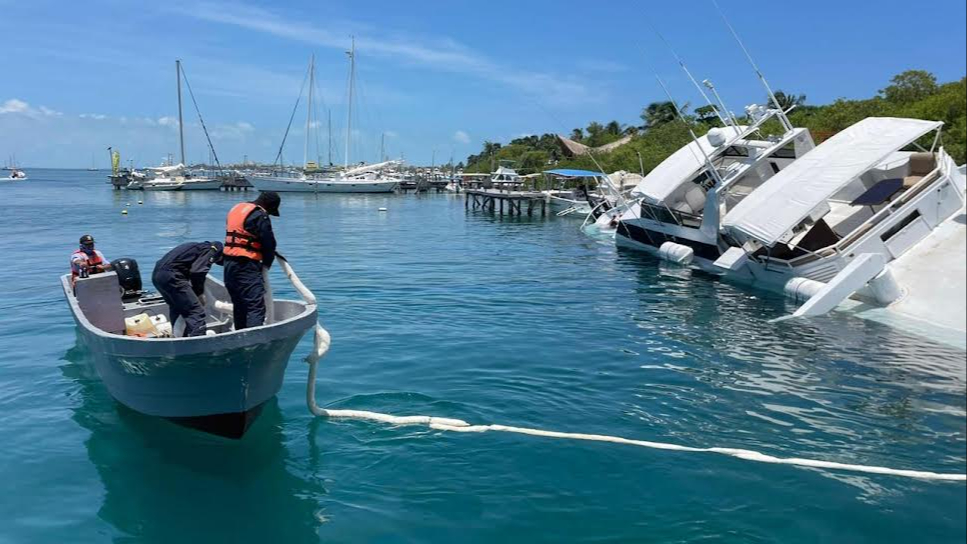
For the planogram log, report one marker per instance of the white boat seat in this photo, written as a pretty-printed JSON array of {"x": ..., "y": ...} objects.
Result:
[
  {"x": 682, "y": 207},
  {"x": 696, "y": 199}
]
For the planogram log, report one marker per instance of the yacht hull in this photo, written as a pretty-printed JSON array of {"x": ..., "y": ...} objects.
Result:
[{"x": 284, "y": 184}]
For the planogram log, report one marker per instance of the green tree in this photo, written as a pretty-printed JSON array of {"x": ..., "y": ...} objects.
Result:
[
  {"x": 657, "y": 114},
  {"x": 708, "y": 115},
  {"x": 910, "y": 86},
  {"x": 613, "y": 128},
  {"x": 577, "y": 135},
  {"x": 787, "y": 101}
]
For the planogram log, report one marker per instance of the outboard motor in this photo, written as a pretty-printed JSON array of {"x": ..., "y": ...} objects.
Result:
[{"x": 129, "y": 277}]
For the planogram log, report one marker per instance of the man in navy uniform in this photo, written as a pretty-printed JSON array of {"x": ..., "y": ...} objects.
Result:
[
  {"x": 180, "y": 278},
  {"x": 249, "y": 246}
]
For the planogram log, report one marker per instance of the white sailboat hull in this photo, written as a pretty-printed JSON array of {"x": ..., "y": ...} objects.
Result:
[{"x": 286, "y": 184}]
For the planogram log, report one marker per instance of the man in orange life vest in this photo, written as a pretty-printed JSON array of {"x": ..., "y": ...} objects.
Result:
[
  {"x": 249, "y": 246},
  {"x": 87, "y": 260}
]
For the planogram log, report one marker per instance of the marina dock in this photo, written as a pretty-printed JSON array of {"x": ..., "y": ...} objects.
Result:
[{"x": 514, "y": 201}]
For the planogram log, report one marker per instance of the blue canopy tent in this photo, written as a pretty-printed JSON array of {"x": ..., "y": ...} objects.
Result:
[{"x": 572, "y": 173}]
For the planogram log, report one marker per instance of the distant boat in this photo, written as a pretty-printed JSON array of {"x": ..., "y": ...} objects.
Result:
[
  {"x": 363, "y": 179},
  {"x": 93, "y": 167},
  {"x": 16, "y": 174},
  {"x": 177, "y": 177}
]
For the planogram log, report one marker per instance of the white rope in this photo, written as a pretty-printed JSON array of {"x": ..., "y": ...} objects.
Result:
[{"x": 323, "y": 340}]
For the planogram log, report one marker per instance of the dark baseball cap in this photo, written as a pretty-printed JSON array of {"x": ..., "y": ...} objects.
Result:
[{"x": 269, "y": 200}]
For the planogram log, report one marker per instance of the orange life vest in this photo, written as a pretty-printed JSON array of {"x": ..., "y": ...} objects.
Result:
[
  {"x": 238, "y": 241},
  {"x": 93, "y": 260}
]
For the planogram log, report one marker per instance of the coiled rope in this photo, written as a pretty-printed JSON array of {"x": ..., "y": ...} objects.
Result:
[{"x": 321, "y": 347}]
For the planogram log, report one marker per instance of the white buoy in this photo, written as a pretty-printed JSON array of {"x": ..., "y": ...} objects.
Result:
[
  {"x": 128, "y": 204},
  {"x": 382, "y": 209},
  {"x": 124, "y": 212},
  {"x": 676, "y": 253},
  {"x": 140, "y": 202},
  {"x": 802, "y": 289}
]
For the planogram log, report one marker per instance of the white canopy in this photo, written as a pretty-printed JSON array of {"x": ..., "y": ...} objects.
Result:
[
  {"x": 173, "y": 168},
  {"x": 370, "y": 167},
  {"x": 679, "y": 167},
  {"x": 790, "y": 196}
]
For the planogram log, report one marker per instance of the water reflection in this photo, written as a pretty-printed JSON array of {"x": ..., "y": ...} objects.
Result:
[
  {"x": 834, "y": 386},
  {"x": 163, "y": 482}
]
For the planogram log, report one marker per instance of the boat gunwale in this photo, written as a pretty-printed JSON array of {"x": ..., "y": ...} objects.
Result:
[{"x": 235, "y": 339}]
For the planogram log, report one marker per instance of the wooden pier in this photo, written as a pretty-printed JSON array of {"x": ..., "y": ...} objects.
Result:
[{"x": 514, "y": 201}]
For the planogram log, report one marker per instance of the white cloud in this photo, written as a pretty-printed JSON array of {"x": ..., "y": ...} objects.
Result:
[
  {"x": 444, "y": 55},
  {"x": 17, "y": 106},
  {"x": 168, "y": 121},
  {"x": 461, "y": 137},
  {"x": 95, "y": 116},
  {"x": 391, "y": 134},
  {"x": 14, "y": 106},
  {"x": 233, "y": 131}
]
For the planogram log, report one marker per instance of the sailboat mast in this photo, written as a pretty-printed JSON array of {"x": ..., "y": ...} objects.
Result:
[
  {"x": 382, "y": 147},
  {"x": 329, "y": 139},
  {"x": 181, "y": 125},
  {"x": 312, "y": 75},
  {"x": 349, "y": 110}
]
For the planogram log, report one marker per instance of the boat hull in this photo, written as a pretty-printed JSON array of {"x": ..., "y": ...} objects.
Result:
[
  {"x": 284, "y": 184},
  {"x": 202, "y": 185},
  {"x": 214, "y": 383}
]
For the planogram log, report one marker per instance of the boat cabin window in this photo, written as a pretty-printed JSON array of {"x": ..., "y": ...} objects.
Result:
[
  {"x": 736, "y": 151},
  {"x": 787, "y": 151}
]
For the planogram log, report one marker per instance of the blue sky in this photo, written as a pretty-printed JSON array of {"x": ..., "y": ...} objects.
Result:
[{"x": 436, "y": 77}]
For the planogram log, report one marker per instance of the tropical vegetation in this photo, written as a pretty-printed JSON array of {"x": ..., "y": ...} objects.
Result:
[{"x": 659, "y": 131}]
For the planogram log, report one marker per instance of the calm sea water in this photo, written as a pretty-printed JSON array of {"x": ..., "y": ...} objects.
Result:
[{"x": 436, "y": 310}]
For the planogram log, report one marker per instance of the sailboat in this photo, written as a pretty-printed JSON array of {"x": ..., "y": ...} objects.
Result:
[
  {"x": 177, "y": 177},
  {"x": 363, "y": 179},
  {"x": 93, "y": 167}
]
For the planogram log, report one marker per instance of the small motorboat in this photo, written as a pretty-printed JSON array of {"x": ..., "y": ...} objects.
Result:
[{"x": 216, "y": 383}]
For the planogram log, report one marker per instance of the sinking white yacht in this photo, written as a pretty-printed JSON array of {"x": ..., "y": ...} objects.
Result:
[
  {"x": 828, "y": 227},
  {"x": 675, "y": 211}
]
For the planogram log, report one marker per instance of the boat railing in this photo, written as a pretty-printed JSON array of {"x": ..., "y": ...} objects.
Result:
[
  {"x": 865, "y": 230},
  {"x": 894, "y": 207},
  {"x": 664, "y": 214}
]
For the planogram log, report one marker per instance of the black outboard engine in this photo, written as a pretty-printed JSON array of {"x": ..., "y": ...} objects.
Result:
[{"x": 129, "y": 277}]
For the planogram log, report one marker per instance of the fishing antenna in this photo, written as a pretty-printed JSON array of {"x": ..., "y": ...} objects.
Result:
[
  {"x": 782, "y": 114},
  {"x": 200, "y": 120},
  {"x": 708, "y": 161},
  {"x": 715, "y": 108}
]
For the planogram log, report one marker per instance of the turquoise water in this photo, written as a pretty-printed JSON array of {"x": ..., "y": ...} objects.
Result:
[{"x": 436, "y": 310}]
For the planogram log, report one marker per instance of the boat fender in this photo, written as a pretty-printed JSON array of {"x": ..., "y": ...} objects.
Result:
[
  {"x": 676, "y": 253},
  {"x": 801, "y": 289},
  {"x": 885, "y": 288}
]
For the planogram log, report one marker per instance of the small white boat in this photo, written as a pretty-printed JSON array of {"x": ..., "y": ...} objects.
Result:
[
  {"x": 215, "y": 383},
  {"x": 15, "y": 175}
]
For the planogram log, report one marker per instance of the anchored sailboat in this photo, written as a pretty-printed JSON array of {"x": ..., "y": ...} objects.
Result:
[
  {"x": 362, "y": 179},
  {"x": 177, "y": 177}
]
